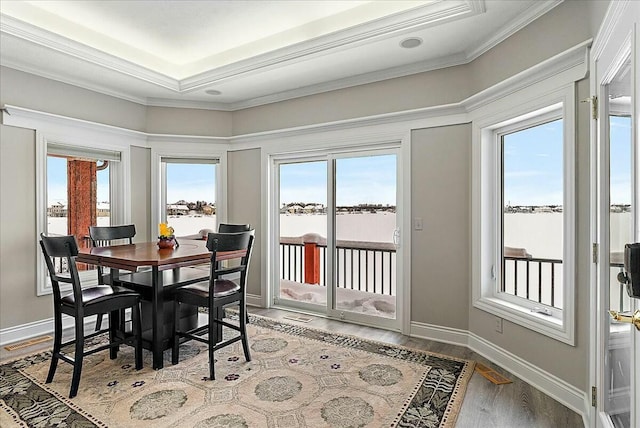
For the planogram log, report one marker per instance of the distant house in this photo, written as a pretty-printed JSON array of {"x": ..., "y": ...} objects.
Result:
[
  {"x": 208, "y": 210},
  {"x": 57, "y": 210},
  {"x": 175, "y": 209},
  {"x": 103, "y": 209}
]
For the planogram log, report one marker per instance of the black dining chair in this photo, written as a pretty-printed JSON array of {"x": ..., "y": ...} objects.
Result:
[
  {"x": 84, "y": 302},
  {"x": 216, "y": 293},
  {"x": 102, "y": 236},
  {"x": 233, "y": 228}
]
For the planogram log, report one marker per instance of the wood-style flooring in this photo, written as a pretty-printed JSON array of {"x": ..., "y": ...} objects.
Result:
[{"x": 485, "y": 405}]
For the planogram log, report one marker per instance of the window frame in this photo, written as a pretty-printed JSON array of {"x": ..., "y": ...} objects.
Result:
[
  {"x": 512, "y": 114},
  {"x": 119, "y": 190},
  {"x": 185, "y": 151}
]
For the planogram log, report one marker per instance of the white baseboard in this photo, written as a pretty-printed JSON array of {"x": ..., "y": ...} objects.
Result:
[
  {"x": 42, "y": 328},
  {"x": 255, "y": 300},
  {"x": 551, "y": 385},
  {"x": 438, "y": 333}
]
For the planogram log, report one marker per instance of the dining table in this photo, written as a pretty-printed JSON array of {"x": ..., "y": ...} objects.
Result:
[{"x": 165, "y": 270}]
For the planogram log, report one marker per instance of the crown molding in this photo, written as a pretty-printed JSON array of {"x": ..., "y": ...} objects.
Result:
[
  {"x": 417, "y": 18},
  {"x": 413, "y": 19},
  {"x": 25, "y": 31},
  {"x": 574, "y": 60},
  {"x": 349, "y": 82},
  {"x": 614, "y": 14},
  {"x": 531, "y": 14},
  {"x": 200, "y": 105},
  {"x": 90, "y": 86}
]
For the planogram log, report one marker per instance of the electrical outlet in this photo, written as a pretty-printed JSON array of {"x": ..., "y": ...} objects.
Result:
[{"x": 498, "y": 324}]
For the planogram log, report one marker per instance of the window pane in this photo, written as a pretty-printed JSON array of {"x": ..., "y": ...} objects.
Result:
[
  {"x": 191, "y": 196},
  {"x": 532, "y": 220},
  {"x": 78, "y": 196},
  {"x": 60, "y": 196}
]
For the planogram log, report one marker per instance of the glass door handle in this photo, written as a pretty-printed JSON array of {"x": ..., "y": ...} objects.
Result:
[
  {"x": 633, "y": 319},
  {"x": 396, "y": 237}
]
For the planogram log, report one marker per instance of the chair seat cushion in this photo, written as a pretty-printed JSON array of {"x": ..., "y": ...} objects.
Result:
[
  {"x": 95, "y": 294},
  {"x": 221, "y": 288}
]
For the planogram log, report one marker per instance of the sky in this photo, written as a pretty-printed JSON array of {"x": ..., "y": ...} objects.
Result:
[
  {"x": 533, "y": 174},
  {"x": 359, "y": 180}
]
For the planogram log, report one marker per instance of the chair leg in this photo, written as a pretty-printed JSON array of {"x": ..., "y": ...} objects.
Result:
[
  {"x": 79, "y": 354},
  {"x": 98, "y": 322},
  {"x": 113, "y": 327},
  {"x": 57, "y": 341},
  {"x": 244, "y": 316},
  {"x": 137, "y": 331},
  {"x": 175, "y": 334},
  {"x": 213, "y": 339}
]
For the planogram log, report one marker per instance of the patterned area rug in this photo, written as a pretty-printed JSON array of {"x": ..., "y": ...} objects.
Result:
[{"x": 298, "y": 377}]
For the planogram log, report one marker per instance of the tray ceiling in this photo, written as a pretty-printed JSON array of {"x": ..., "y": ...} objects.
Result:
[{"x": 236, "y": 54}]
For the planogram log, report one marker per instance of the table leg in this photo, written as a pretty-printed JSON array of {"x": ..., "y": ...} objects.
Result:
[{"x": 157, "y": 310}]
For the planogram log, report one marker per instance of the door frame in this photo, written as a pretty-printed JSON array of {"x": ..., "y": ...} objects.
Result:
[
  {"x": 617, "y": 38},
  {"x": 308, "y": 140},
  {"x": 395, "y": 324},
  {"x": 330, "y": 155}
]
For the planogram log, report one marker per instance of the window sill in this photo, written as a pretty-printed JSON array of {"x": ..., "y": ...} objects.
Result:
[{"x": 552, "y": 327}]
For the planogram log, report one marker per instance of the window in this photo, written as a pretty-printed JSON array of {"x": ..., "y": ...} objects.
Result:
[
  {"x": 79, "y": 186},
  {"x": 189, "y": 194},
  {"x": 189, "y": 190},
  {"x": 524, "y": 215},
  {"x": 532, "y": 215}
]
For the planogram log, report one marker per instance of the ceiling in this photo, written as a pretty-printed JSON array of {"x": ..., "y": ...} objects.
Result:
[{"x": 236, "y": 54}]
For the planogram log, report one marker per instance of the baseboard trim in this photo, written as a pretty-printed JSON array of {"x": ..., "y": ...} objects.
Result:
[
  {"x": 41, "y": 328},
  {"x": 255, "y": 300},
  {"x": 551, "y": 385},
  {"x": 438, "y": 333}
]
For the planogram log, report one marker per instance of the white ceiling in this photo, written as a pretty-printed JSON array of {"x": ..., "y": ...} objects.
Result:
[{"x": 170, "y": 52}]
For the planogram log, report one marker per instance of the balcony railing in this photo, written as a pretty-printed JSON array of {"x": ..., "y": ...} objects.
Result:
[
  {"x": 362, "y": 266},
  {"x": 535, "y": 279}
]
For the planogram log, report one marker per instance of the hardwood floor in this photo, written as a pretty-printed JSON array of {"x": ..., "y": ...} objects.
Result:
[{"x": 486, "y": 405}]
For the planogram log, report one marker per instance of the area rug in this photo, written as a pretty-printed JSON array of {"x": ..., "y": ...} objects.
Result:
[{"x": 298, "y": 377}]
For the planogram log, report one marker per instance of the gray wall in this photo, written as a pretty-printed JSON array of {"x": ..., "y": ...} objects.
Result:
[
  {"x": 183, "y": 121},
  {"x": 18, "y": 301},
  {"x": 141, "y": 191},
  {"x": 244, "y": 187},
  {"x": 440, "y": 264},
  {"x": 37, "y": 93}
]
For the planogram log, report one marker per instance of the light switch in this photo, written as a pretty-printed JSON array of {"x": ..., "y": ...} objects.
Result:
[{"x": 417, "y": 223}]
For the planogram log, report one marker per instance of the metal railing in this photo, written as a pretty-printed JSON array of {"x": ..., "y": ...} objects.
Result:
[
  {"x": 362, "y": 266},
  {"x": 535, "y": 279}
]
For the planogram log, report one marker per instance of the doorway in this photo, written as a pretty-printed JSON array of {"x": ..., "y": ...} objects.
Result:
[
  {"x": 338, "y": 237},
  {"x": 617, "y": 344}
]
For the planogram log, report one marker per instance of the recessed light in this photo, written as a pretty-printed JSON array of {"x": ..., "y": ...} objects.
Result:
[
  {"x": 411, "y": 42},
  {"x": 212, "y": 92}
]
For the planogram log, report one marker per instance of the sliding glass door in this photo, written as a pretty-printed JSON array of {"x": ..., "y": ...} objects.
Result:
[{"x": 338, "y": 237}]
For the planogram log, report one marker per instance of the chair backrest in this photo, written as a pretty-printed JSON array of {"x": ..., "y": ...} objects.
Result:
[
  {"x": 62, "y": 247},
  {"x": 233, "y": 228},
  {"x": 223, "y": 242},
  {"x": 103, "y": 235}
]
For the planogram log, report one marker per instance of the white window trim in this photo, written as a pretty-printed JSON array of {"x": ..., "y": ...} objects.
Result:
[
  {"x": 80, "y": 133},
  {"x": 518, "y": 108},
  {"x": 182, "y": 150},
  {"x": 318, "y": 139}
]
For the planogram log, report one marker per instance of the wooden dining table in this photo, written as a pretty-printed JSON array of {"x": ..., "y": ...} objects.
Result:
[{"x": 133, "y": 257}]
